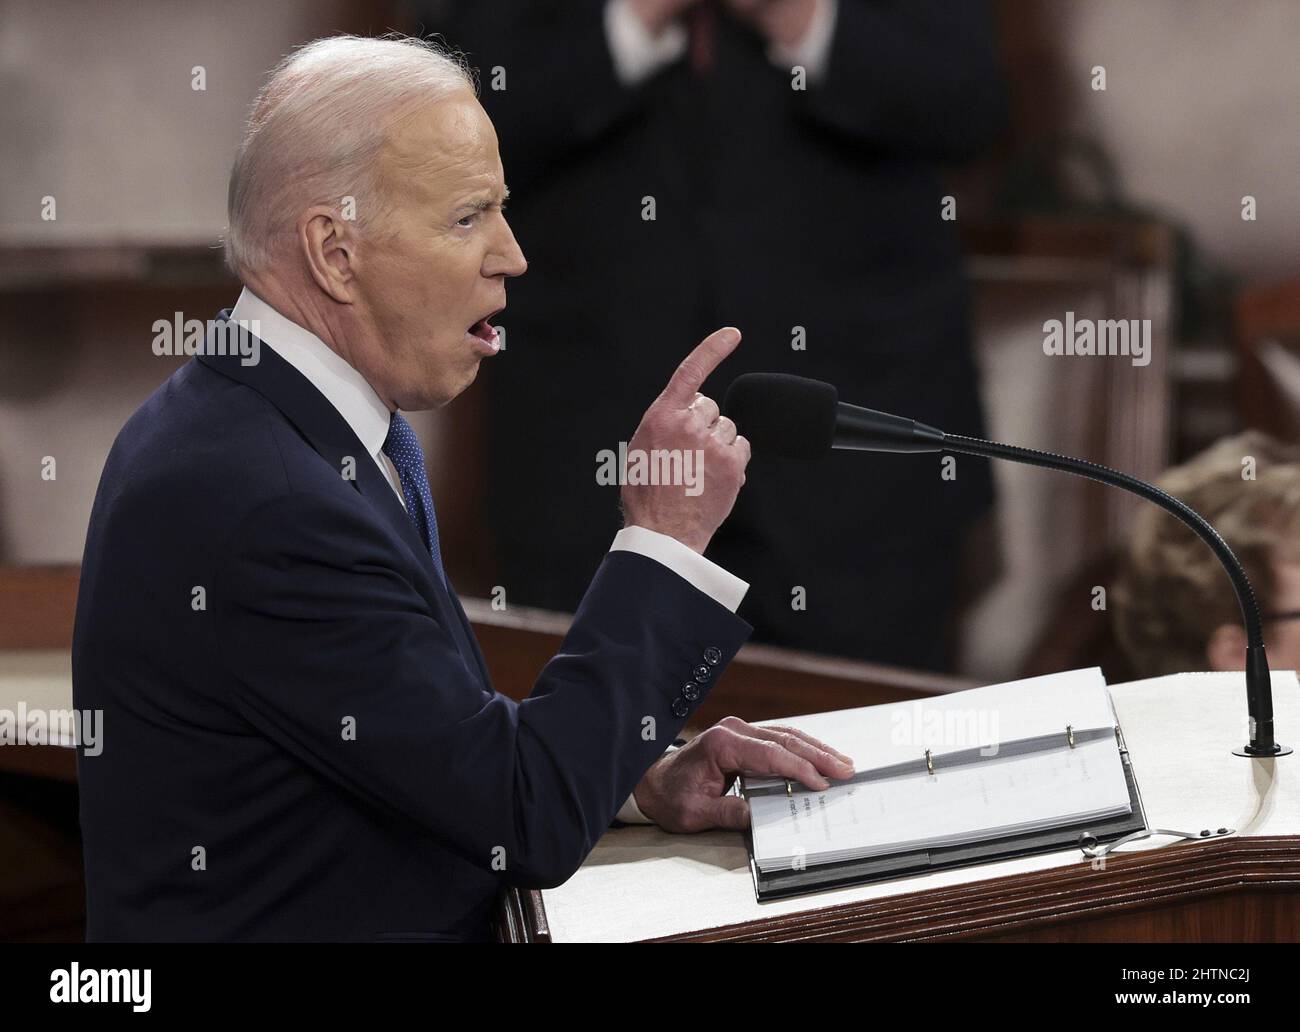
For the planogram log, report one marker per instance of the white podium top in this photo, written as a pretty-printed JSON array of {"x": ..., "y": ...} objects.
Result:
[
  {"x": 640, "y": 882},
  {"x": 39, "y": 679}
]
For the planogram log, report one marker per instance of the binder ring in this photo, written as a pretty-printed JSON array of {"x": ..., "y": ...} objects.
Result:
[{"x": 929, "y": 762}]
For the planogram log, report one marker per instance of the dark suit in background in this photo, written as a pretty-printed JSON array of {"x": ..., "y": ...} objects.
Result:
[
  {"x": 228, "y": 801},
  {"x": 775, "y": 209}
]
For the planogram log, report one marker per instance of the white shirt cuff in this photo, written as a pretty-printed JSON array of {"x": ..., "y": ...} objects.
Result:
[
  {"x": 636, "y": 53},
  {"x": 629, "y": 812},
  {"x": 710, "y": 578},
  {"x": 814, "y": 50}
]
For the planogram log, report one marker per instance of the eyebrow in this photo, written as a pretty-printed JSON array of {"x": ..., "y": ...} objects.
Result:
[{"x": 483, "y": 204}]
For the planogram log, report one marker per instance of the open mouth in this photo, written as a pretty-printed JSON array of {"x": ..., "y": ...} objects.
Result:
[{"x": 486, "y": 332}]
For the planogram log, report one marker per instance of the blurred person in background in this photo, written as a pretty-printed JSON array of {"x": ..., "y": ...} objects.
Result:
[
  {"x": 1174, "y": 606},
  {"x": 813, "y": 216}
]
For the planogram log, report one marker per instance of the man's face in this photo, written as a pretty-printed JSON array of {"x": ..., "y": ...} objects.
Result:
[{"x": 434, "y": 267}]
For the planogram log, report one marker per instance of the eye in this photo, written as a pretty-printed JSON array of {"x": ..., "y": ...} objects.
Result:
[{"x": 464, "y": 219}]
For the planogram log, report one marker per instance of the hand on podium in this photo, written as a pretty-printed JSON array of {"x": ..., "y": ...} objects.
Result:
[{"x": 684, "y": 791}]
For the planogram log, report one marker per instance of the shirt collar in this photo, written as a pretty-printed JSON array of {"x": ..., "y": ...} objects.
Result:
[{"x": 340, "y": 383}]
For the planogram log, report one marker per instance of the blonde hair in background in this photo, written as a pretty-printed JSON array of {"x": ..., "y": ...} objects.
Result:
[{"x": 1172, "y": 592}]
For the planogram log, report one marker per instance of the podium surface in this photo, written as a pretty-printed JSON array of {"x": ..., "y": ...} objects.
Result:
[{"x": 642, "y": 883}]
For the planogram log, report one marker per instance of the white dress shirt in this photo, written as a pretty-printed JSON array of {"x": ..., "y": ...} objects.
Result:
[
  {"x": 637, "y": 53},
  {"x": 361, "y": 408},
  {"x": 343, "y": 387}
]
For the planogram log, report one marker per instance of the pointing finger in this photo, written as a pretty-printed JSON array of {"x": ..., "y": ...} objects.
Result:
[{"x": 697, "y": 366}]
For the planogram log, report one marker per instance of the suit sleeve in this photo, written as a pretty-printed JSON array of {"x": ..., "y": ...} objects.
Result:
[
  {"x": 917, "y": 76},
  {"x": 334, "y": 655}
]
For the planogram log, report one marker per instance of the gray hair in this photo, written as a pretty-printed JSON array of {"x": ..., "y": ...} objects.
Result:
[{"x": 316, "y": 128}]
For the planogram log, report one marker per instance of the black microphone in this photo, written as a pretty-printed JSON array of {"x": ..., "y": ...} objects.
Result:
[{"x": 798, "y": 418}]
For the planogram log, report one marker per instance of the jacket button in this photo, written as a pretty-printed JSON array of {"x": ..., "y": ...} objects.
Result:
[
  {"x": 691, "y": 691},
  {"x": 680, "y": 707},
  {"x": 703, "y": 673},
  {"x": 713, "y": 655}
]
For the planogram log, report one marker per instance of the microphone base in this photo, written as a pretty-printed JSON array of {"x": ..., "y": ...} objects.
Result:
[{"x": 1252, "y": 752}]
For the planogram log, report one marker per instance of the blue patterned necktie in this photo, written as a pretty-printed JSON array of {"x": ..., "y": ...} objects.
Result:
[{"x": 403, "y": 447}]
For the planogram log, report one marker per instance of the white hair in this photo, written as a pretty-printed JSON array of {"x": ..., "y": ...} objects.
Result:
[{"x": 316, "y": 128}]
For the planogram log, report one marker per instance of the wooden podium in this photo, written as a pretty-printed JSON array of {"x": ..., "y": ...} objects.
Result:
[
  {"x": 643, "y": 884},
  {"x": 1232, "y": 890}
]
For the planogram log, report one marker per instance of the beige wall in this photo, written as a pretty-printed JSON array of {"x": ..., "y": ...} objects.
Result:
[
  {"x": 1200, "y": 108},
  {"x": 70, "y": 375},
  {"x": 99, "y": 112}
]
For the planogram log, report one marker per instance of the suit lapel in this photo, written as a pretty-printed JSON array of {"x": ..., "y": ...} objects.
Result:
[
  {"x": 375, "y": 488},
  {"x": 325, "y": 429}
]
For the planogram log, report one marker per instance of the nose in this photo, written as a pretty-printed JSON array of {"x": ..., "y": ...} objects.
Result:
[{"x": 507, "y": 259}]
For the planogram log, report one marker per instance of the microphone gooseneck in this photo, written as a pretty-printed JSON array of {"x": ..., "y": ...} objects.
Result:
[
  {"x": 801, "y": 418},
  {"x": 1259, "y": 691}
]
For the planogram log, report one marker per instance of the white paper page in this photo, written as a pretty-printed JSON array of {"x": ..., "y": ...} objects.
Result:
[
  {"x": 979, "y": 718},
  {"x": 965, "y": 804}
]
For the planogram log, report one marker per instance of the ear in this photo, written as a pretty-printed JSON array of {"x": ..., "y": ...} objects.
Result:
[
  {"x": 1226, "y": 649},
  {"x": 328, "y": 245}
]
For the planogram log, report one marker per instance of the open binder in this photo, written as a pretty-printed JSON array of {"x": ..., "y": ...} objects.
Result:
[{"x": 967, "y": 778}]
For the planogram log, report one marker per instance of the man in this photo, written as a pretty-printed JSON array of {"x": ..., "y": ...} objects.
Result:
[
  {"x": 301, "y": 740},
  {"x": 1174, "y": 607}
]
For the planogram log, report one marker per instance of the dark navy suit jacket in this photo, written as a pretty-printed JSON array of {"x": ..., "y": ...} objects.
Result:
[{"x": 301, "y": 739}]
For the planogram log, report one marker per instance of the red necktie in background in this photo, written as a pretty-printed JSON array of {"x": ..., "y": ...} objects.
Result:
[{"x": 701, "y": 24}]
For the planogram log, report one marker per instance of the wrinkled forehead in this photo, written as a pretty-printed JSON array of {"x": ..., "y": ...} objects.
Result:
[{"x": 439, "y": 152}]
